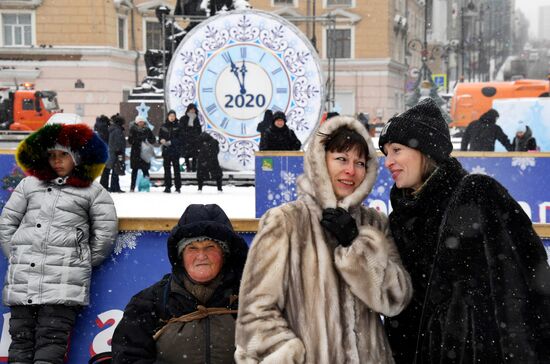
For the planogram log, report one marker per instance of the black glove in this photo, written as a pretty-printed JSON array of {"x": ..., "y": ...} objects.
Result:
[{"x": 341, "y": 224}]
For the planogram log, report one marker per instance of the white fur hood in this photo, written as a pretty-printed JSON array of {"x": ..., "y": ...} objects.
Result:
[{"x": 316, "y": 182}]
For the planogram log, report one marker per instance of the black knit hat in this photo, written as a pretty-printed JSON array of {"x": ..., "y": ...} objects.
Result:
[
  {"x": 422, "y": 127},
  {"x": 279, "y": 115}
]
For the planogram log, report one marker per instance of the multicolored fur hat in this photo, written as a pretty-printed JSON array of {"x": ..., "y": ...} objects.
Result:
[{"x": 80, "y": 139}]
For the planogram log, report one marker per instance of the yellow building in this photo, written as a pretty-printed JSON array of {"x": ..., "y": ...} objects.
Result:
[{"x": 91, "y": 52}]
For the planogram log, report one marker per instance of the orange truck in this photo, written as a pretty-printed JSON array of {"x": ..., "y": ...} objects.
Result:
[
  {"x": 26, "y": 109},
  {"x": 471, "y": 100}
]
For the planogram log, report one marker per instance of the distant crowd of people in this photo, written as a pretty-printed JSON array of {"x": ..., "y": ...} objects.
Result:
[{"x": 455, "y": 274}]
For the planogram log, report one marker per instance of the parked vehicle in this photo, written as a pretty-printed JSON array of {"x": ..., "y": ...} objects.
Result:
[
  {"x": 471, "y": 100},
  {"x": 26, "y": 109}
]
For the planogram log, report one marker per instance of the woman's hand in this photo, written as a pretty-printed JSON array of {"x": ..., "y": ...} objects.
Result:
[{"x": 341, "y": 224}]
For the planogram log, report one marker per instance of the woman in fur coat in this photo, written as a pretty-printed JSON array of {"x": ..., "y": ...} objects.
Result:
[
  {"x": 322, "y": 268},
  {"x": 479, "y": 271}
]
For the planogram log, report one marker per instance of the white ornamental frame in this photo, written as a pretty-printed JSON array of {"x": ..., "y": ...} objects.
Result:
[{"x": 271, "y": 31}]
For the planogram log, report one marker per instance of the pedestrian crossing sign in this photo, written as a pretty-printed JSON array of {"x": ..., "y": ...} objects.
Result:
[{"x": 440, "y": 81}]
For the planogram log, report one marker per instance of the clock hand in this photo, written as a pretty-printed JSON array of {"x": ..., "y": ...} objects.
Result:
[
  {"x": 235, "y": 71},
  {"x": 243, "y": 74}
]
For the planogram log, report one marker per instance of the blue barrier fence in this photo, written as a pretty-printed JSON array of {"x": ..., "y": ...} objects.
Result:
[{"x": 140, "y": 258}]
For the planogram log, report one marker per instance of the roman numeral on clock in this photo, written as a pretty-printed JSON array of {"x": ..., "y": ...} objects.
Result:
[
  {"x": 207, "y": 89},
  {"x": 210, "y": 109},
  {"x": 224, "y": 122},
  {"x": 276, "y": 70},
  {"x": 282, "y": 90},
  {"x": 243, "y": 52},
  {"x": 243, "y": 128},
  {"x": 226, "y": 57},
  {"x": 276, "y": 108}
]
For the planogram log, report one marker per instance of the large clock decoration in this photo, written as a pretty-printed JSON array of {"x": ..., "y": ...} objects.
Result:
[{"x": 234, "y": 66}]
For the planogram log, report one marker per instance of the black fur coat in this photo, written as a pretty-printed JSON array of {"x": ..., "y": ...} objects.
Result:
[{"x": 480, "y": 274}]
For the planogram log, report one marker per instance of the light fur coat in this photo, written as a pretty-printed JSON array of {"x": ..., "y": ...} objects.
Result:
[{"x": 302, "y": 301}]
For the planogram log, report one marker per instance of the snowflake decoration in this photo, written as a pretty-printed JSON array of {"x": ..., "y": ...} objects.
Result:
[
  {"x": 126, "y": 241},
  {"x": 479, "y": 170},
  {"x": 288, "y": 178},
  {"x": 286, "y": 189},
  {"x": 523, "y": 162}
]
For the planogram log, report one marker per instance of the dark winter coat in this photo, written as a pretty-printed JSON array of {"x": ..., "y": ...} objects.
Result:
[
  {"x": 101, "y": 127},
  {"x": 206, "y": 340},
  {"x": 481, "y": 134},
  {"x": 274, "y": 138},
  {"x": 137, "y": 135},
  {"x": 117, "y": 144},
  {"x": 470, "y": 241},
  {"x": 266, "y": 121},
  {"x": 189, "y": 136},
  {"x": 208, "y": 167},
  {"x": 525, "y": 143},
  {"x": 171, "y": 132}
]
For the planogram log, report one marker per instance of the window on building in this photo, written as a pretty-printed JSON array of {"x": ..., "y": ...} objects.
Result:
[
  {"x": 339, "y": 2},
  {"x": 339, "y": 43},
  {"x": 122, "y": 33},
  {"x": 17, "y": 29},
  {"x": 283, "y": 2},
  {"x": 153, "y": 35}
]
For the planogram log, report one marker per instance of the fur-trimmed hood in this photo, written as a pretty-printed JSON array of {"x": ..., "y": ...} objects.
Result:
[
  {"x": 32, "y": 153},
  {"x": 316, "y": 182}
]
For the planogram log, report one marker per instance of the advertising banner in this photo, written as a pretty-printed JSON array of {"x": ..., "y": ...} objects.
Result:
[{"x": 524, "y": 176}]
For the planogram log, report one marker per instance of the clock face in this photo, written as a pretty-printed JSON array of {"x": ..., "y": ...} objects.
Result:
[{"x": 237, "y": 65}]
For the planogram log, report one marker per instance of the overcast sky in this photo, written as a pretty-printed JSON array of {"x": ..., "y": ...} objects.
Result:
[{"x": 530, "y": 9}]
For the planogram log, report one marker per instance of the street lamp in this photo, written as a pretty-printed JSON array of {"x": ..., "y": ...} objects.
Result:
[{"x": 424, "y": 86}]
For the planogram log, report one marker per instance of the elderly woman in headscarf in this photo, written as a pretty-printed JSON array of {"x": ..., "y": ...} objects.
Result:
[{"x": 189, "y": 315}]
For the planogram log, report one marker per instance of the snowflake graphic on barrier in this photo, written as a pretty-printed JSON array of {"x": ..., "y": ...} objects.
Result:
[
  {"x": 286, "y": 190},
  {"x": 126, "y": 241},
  {"x": 523, "y": 162},
  {"x": 479, "y": 170}
]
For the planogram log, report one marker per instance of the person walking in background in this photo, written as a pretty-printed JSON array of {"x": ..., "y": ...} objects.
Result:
[
  {"x": 480, "y": 135},
  {"x": 479, "y": 271},
  {"x": 170, "y": 139},
  {"x": 279, "y": 136},
  {"x": 116, "y": 164},
  {"x": 189, "y": 315},
  {"x": 56, "y": 225},
  {"x": 322, "y": 268},
  {"x": 208, "y": 164},
  {"x": 524, "y": 140},
  {"x": 190, "y": 131},
  {"x": 101, "y": 127},
  {"x": 139, "y": 133},
  {"x": 266, "y": 122}
]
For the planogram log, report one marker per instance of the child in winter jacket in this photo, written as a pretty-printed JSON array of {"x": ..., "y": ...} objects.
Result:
[{"x": 57, "y": 224}]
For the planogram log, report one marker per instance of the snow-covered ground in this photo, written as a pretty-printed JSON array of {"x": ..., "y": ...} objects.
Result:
[{"x": 237, "y": 202}]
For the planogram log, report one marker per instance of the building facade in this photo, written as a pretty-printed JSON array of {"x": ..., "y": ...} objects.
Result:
[{"x": 92, "y": 53}]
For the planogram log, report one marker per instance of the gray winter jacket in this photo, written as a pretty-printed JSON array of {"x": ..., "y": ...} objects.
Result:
[{"x": 52, "y": 235}]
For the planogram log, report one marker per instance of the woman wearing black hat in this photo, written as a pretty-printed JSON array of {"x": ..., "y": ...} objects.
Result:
[
  {"x": 189, "y": 315},
  {"x": 279, "y": 136},
  {"x": 480, "y": 273}
]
